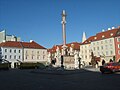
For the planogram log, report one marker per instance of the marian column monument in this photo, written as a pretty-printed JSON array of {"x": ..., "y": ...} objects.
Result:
[{"x": 63, "y": 22}]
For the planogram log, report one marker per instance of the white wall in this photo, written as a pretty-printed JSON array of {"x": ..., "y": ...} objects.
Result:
[
  {"x": 105, "y": 47},
  {"x": 35, "y": 55},
  {"x": 12, "y": 54},
  {"x": 85, "y": 53},
  {"x": 9, "y": 54}
]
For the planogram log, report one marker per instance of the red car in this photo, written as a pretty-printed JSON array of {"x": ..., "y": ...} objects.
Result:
[{"x": 110, "y": 67}]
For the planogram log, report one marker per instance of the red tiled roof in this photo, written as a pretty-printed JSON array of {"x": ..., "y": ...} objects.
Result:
[
  {"x": 21, "y": 44},
  {"x": 102, "y": 35},
  {"x": 106, "y": 34},
  {"x": 32, "y": 45},
  {"x": 76, "y": 46},
  {"x": 11, "y": 44},
  {"x": 89, "y": 40}
]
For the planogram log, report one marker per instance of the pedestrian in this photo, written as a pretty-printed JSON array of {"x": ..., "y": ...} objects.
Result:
[
  {"x": 103, "y": 62},
  {"x": 111, "y": 60}
]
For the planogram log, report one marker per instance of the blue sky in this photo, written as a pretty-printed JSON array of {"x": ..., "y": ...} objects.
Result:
[{"x": 40, "y": 20}]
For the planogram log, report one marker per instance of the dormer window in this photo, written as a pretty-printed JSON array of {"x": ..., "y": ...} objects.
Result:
[
  {"x": 103, "y": 36},
  {"x": 111, "y": 34},
  {"x": 72, "y": 45},
  {"x": 95, "y": 37}
]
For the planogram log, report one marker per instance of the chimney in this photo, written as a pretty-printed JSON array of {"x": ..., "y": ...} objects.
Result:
[
  {"x": 113, "y": 27},
  {"x": 103, "y": 30},
  {"x": 4, "y": 41},
  {"x": 31, "y": 41},
  {"x": 109, "y": 28}
]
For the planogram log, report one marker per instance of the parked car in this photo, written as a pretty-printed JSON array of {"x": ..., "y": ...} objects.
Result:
[{"x": 110, "y": 67}]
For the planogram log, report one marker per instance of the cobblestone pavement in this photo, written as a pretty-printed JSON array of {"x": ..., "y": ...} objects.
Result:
[{"x": 54, "y": 80}]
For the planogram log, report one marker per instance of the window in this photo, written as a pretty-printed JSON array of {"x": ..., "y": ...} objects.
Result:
[
  {"x": 101, "y": 42},
  {"x": 97, "y": 43},
  {"x": 43, "y": 56},
  {"x": 118, "y": 39},
  {"x": 5, "y": 50},
  {"x": 5, "y": 56},
  {"x": 33, "y": 56},
  {"x": 106, "y": 46},
  {"x": 15, "y": 57},
  {"x": 111, "y": 52},
  {"x": 102, "y": 47},
  {"x": 105, "y": 41},
  {"x": 110, "y": 40},
  {"x": 19, "y": 51},
  {"x": 37, "y": 57},
  {"x": 85, "y": 56},
  {"x": 14, "y": 51},
  {"x": 97, "y": 48},
  {"x": 10, "y": 50},
  {"x": 119, "y": 52},
  {"x": 111, "y": 46},
  {"x": 10, "y": 56},
  {"x": 118, "y": 45},
  {"x": 26, "y": 57},
  {"x": 106, "y": 52},
  {"x": 37, "y": 52},
  {"x": 19, "y": 57},
  {"x": 94, "y": 48}
]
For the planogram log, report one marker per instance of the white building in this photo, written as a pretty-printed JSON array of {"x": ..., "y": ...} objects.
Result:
[
  {"x": 16, "y": 52},
  {"x": 85, "y": 51},
  {"x": 12, "y": 52},
  {"x": 34, "y": 52},
  {"x": 102, "y": 45}
]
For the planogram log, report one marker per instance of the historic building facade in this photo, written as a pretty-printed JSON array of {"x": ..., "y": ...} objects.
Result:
[
  {"x": 34, "y": 52},
  {"x": 117, "y": 45},
  {"x": 12, "y": 52},
  {"x": 102, "y": 45},
  {"x": 71, "y": 57},
  {"x": 16, "y": 52},
  {"x": 85, "y": 51}
]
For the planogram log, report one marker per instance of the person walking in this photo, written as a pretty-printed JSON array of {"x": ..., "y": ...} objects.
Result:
[{"x": 103, "y": 62}]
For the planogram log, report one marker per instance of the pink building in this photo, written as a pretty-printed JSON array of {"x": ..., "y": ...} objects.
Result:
[{"x": 117, "y": 45}]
